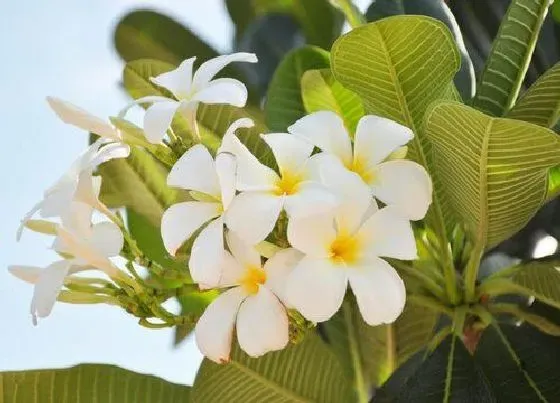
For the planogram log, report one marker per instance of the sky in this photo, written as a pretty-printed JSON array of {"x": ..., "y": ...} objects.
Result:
[{"x": 64, "y": 48}]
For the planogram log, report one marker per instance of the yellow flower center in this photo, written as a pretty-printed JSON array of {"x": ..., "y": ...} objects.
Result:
[
  {"x": 254, "y": 276},
  {"x": 288, "y": 184},
  {"x": 360, "y": 167},
  {"x": 345, "y": 249}
]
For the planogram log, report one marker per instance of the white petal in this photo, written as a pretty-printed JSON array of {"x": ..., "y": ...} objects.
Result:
[
  {"x": 223, "y": 91},
  {"x": 377, "y": 137},
  {"x": 27, "y": 217},
  {"x": 278, "y": 268},
  {"x": 107, "y": 153},
  {"x": 226, "y": 169},
  {"x": 210, "y": 68},
  {"x": 78, "y": 218},
  {"x": 251, "y": 174},
  {"x": 242, "y": 251},
  {"x": 291, "y": 153},
  {"x": 157, "y": 120},
  {"x": 207, "y": 253},
  {"x": 107, "y": 239},
  {"x": 83, "y": 250},
  {"x": 181, "y": 220},
  {"x": 405, "y": 185},
  {"x": 29, "y": 274},
  {"x": 48, "y": 287},
  {"x": 196, "y": 170},
  {"x": 310, "y": 198},
  {"x": 379, "y": 291},
  {"x": 177, "y": 81},
  {"x": 388, "y": 234},
  {"x": 73, "y": 115},
  {"x": 214, "y": 330},
  {"x": 353, "y": 194},
  {"x": 252, "y": 215},
  {"x": 231, "y": 271},
  {"x": 242, "y": 123},
  {"x": 58, "y": 200},
  {"x": 325, "y": 130},
  {"x": 88, "y": 188},
  {"x": 312, "y": 235},
  {"x": 262, "y": 324},
  {"x": 316, "y": 288}
]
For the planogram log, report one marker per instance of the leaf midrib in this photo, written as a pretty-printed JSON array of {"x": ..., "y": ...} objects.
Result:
[
  {"x": 482, "y": 230},
  {"x": 268, "y": 383}
]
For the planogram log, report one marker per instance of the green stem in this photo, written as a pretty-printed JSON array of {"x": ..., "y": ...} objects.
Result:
[
  {"x": 354, "y": 17},
  {"x": 471, "y": 272},
  {"x": 430, "y": 303},
  {"x": 430, "y": 284},
  {"x": 359, "y": 381}
]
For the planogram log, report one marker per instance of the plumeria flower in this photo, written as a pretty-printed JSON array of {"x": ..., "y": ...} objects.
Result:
[
  {"x": 78, "y": 183},
  {"x": 264, "y": 193},
  {"x": 400, "y": 183},
  {"x": 86, "y": 246},
  {"x": 191, "y": 89},
  {"x": 76, "y": 116},
  {"x": 212, "y": 185},
  {"x": 253, "y": 303},
  {"x": 347, "y": 246}
]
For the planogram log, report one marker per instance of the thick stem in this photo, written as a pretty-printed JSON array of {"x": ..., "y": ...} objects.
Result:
[
  {"x": 471, "y": 272},
  {"x": 359, "y": 382}
]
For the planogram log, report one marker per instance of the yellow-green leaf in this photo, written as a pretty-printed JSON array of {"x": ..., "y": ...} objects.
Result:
[
  {"x": 88, "y": 383},
  {"x": 320, "y": 91},
  {"x": 493, "y": 171}
]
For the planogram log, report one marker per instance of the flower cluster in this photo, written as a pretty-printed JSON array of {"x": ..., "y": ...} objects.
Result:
[{"x": 333, "y": 208}]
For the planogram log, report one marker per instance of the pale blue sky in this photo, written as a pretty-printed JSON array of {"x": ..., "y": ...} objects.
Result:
[{"x": 63, "y": 48}]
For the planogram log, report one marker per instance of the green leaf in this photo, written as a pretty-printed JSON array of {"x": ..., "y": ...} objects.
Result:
[
  {"x": 465, "y": 78},
  {"x": 88, "y": 383},
  {"x": 520, "y": 363},
  {"x": 541, "y": 103},
  {"x": 320, "y": 22},
  {"x": 149, "y": 35},
  {"x": 137, "y": 182},
  {"x": 320, "y": 91},
  {"x": 449, "y": 374},
  {"x": 381, "y": 348},
  {"x": 284, "y": 103},
  {"x": 493, "y": 171},
  {"x": 509, "y": 58},
  {"x": 306, "y": 372},
  {"x": 242, "y": 13},
  {"x": 213, "y": 119}
]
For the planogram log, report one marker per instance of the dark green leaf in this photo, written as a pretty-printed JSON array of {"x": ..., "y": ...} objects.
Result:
[{"x": 284, "y": 103}]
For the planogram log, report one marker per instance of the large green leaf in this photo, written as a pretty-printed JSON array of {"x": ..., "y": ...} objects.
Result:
[
  {"x": 493, "y": 170},
  {"x": 306, "y": 372},
  {"x": 520, "y": 363},
  {"x": 284, "y": 104},
  {"x": 320, "y": 91},
  {"x": 541, "y": 103},
  {"x": 381, "y": 348},
  {"x": 88, "y": 383},
  {"x": 137, "y": 182},
  {"x": 509, "y": 58},
  {"x": 214, "y": 119},
  {"x": 449, "y": 374},
  {"x": 464, "y": 79},
  {"x": 145, "y": 34}
]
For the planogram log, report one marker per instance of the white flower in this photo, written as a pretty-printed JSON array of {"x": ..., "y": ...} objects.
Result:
[
  {"x": 400, "y": 183},
  {"x": 347, "y": 247},
  {"x": 264, "y": 193},
  {"x": 191, "y": 89},
  {"x": 253, "y": 304},
  {"x": 77, "y": 184},
  {"x": 213, "y": 183},
  {"x": 88, "y": 247},
  {"x": 76, "y": 116}
]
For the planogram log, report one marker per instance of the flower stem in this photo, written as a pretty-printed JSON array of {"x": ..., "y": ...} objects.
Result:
[
  {"x": 471, "y": 272},
  {"x": 359, "y": 381}
]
